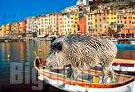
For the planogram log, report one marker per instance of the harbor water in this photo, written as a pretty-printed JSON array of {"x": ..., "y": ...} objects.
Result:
[{"x": 22, "y": 54}]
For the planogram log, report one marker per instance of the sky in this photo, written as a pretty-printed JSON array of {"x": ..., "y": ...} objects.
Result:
[{"x": 17, "y": 10}]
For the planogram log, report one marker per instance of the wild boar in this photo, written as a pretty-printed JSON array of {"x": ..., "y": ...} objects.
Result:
[{"x": 82, "y": 52}]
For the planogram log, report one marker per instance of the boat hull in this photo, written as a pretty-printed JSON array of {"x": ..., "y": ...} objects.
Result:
[
  {"x": 124, "y": 66},
  {"x": 70, "y": 85}
]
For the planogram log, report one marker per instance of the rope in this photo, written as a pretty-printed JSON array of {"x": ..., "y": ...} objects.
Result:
[{"x": 37, "y": 57}]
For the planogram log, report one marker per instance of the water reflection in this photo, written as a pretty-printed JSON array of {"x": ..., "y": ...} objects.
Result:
[{"x": 22, "y": 52}]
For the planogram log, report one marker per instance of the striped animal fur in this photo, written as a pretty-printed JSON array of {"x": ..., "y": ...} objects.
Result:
[{"x": 82, "y": 52}]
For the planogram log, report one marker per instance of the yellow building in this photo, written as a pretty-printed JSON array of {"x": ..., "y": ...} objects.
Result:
[
  {"x": 111, "y": 17},
  {"x": 133, "y": 19},
  {"x": 75, "y": 23}
]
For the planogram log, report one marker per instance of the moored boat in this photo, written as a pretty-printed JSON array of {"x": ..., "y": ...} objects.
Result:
[
  {"x": 124, "y": 66},
  {"x": 132, "y": 42},
  {"x": 90, "y": 80},
  {"x": 125, "y": 46}
]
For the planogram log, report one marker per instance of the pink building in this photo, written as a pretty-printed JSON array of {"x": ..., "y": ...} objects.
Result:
[{"x": 127, "y": 20}]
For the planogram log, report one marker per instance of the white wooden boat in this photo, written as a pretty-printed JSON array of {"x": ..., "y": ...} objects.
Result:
[
  {"x": 122, "y": 65},
  {"x": 92, "y": 83}
]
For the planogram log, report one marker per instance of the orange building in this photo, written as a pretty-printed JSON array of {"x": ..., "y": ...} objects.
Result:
[
  {"x": 22, "y": 27},
  {"x": 82, "y": 25},
  {"x": 128, "y": 31},
  {"x": 3, "y": 32}
]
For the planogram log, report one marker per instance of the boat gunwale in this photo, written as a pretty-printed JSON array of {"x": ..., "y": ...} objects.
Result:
[
  {"x": 52, "y": 76},
  {"x": 82, "y": 83}
]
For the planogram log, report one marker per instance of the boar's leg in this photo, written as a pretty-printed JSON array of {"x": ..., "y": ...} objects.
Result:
[
  {"x": 105, "y": 71},
  {"x": 75, "y": 73},
  {"x": 112, "y": 73},
  {"x": 69, "y": 71}
]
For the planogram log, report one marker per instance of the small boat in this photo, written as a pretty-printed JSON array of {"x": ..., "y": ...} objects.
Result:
[
  {"x": 124, "y": 41},
  {"x": 124, "y": 66},
  {"x": 132, "y": 42},
  {"x": 89, "y": 81},
  {"x": 126, "y": 46}
]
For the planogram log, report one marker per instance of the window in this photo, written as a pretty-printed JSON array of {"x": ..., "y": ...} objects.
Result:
[
  {"x": 125, "y": 17},
  {"x": 100, "y": 25},
  {"x": 89, "y": 27},
  {"x": 133, "y": 22}
]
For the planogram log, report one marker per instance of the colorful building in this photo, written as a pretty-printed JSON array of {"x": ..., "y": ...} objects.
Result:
[
  {"x": 60, "y": 24},
  {"x": 100, "y": 20},
  {"x": 111, "y": 17},
  {"x": 90, "y": 23},
  {"x": 3, "y": 33},
  {"x": 82, "y": 25},
  {"x": 8, "y": 28},
  {"x": 75, "y": 26},
  {"x": 18, "y": 29},
  {"x": 31, "y": 26},
  {"x": 41, "y": 26},
  {"x": 53, "y": 23},
  {"x": 22, "y": 28},
  {"x": 0, "y": 32},
  {"x": 133, "y": 19},
  {"x": 67, "y": 22},
  {"x": 127, "y": 19},
  {"x": 130, "y": 30}
]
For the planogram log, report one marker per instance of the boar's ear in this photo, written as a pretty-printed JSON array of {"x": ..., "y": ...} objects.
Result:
[{"x": 59, "y": 46}]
